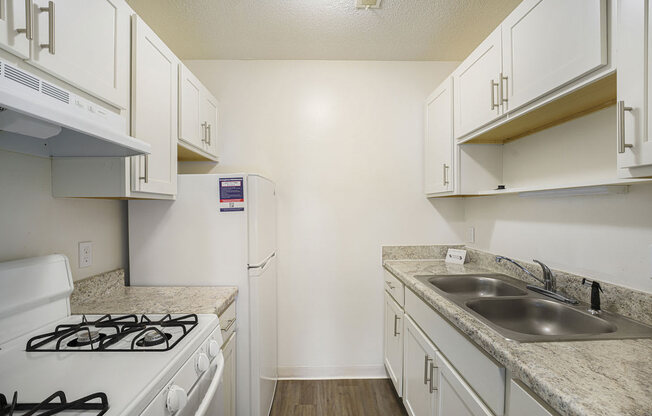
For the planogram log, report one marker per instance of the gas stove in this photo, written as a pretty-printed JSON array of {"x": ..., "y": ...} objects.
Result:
[
  {"x": 115, "y": 333},
  {"x": 52, "y": 362}
]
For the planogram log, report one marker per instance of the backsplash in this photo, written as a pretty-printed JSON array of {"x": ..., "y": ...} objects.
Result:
[{"x": 618, "y": 299}]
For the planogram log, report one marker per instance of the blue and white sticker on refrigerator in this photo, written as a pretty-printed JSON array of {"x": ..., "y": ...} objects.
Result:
[{"x": 231, "y": 194}]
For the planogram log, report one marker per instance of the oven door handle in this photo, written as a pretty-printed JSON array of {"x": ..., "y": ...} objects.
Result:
[{"x": 212, "y": 388}]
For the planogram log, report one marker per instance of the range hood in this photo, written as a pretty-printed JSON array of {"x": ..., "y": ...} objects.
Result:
[{"x": 39, "y": 118}]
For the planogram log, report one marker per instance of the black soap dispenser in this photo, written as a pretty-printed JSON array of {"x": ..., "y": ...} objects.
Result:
[{"x": 595, "y": 295}]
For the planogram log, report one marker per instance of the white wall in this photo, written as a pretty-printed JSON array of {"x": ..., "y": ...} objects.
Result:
[
  {"x": 343, "y": 141},
  {"x": 608, "y": 237},
  {"x": 32, "y": 223}
]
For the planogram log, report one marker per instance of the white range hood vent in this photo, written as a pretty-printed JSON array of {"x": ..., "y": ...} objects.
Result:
[{"x": 42, "y": 119}]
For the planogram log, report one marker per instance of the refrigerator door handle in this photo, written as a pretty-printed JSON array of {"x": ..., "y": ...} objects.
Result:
[{"x": 261, "y": 265}]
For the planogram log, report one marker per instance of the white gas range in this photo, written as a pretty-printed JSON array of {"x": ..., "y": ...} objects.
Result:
[{"x": 101, "y": 364}]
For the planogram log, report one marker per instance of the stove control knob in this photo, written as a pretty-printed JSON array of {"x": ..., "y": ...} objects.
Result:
[
  {"x": 213, "y": 348},
  {"x": 177, "y": 399},
  {"x": 202, "y": 362}
]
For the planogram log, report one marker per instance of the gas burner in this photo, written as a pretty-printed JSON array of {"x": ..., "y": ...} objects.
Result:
[
  {"x": 152, "y": 338},
  {"x": 116, "y": 333},
  {"x": 86, "y": 338},
  {"x": 94, "y": 402}
]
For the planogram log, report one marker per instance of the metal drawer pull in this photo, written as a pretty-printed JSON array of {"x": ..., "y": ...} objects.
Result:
[
  {"x": 391, "y": 286},
  {"x": 396, "y": 318},
  {"x": 446, "y": 174},
  {"x": 146, "y": 177},
  {"x": 432, "y": 371},
  {"x": 209, "y": 134},
  {"x": 425, "y": 369},
  {"x": 29, "y": 23},
  {"x": 503, "y": 94},
  {"x": 231, "y": 322},
  {"x": 620, "y": 114},
  {"x": 493, "y": 84},
  {"x": 50, "y": 11}
]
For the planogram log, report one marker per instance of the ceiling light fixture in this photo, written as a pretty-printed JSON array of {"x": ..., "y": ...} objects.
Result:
[{"x": 367, "y": 4}]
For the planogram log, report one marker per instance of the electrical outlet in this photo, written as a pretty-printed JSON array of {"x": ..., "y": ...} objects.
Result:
[
  {"x": 85, "y": 254},
  {"x": 470, "y": 235}
]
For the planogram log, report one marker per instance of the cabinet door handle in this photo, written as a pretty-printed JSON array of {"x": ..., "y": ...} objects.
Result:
[
  {"x": 396, "y": 319},
  {"x": 445, "y": 176},
  {"x": 433, "y": 367},
  {"x": 209, "y": 134},
  {"x": 203, "y": 126},
  {"x": 50, "y": 11},
  {"x": 493, "y": 86},
  {"x": 29, "y": 24},
  {"x": 620, "y": 114},
  {"x": 425, "y": 369},
  {"x": 146, "y": 176},
  {"x": 503, "y": 94}
]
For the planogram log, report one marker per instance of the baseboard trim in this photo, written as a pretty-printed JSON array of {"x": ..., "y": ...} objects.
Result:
[{"x": 326, "y": 373}]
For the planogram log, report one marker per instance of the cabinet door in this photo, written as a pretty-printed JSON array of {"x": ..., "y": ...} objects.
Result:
[
  {"x": 394, "y": 343},
  {"x": 209, "y": 111},
  {"x": 439, "y": 141},
  {"x": 154, "y": 111},
  {"x": 476, "y": 86},
  {"x": 634, "y": 84},
  {"x": 13, "y": 26},
  {"x": 549, "y": 43},
  {"x": 191, "y": 125},
  {"x": 419, "y": 387},
  {"x": 521, "y": 402},
  {"x": 455, "y": 396},
  {"x": 88, "y": 45},
  {"x": 228, "y": 390}
]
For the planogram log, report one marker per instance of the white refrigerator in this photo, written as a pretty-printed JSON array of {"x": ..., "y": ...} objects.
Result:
[{"x": 220, "y": 231}]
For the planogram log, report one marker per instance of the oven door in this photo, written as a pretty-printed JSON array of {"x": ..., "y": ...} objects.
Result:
[{"x": 205, "y": 396}]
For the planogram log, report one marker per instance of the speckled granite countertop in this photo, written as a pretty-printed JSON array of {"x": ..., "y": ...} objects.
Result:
[
  {"x": 587, "y": 378},
  {"x": 106, "y": 293}
]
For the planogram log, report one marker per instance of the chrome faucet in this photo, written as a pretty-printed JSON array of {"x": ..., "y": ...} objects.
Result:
[
  {"x": 548, "y": 278},
  {"x": 549, "y": 282}
]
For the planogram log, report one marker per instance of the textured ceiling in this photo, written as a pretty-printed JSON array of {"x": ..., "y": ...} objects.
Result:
[{"x": 442, "y": 30}]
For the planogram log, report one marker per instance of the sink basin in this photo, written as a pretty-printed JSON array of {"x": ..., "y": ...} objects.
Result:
[
  {"x": 474, "y": 286},
  {"x": 534, "y": 316}
]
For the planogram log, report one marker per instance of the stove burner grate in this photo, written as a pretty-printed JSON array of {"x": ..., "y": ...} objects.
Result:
[
  {"x": 85, "y": 334},
  {"x": 50, "y": 407}
]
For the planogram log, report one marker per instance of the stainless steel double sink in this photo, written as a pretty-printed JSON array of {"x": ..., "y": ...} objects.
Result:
[{"x": 519, "y": 314}]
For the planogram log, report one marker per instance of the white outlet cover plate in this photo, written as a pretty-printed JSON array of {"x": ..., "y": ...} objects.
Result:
[
  {"x": 455, "y": 256},
  {"x": 85, "y": 254}
]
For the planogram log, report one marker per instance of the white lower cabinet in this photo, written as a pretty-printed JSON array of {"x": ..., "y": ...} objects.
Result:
[
  {"x": 455, "y": 396},
  {"x": 420, "y": 382},
  {"x": 228, "y": 380},
  {"x": 394, "y": 342},
  {"x": 523, "y": 402}
]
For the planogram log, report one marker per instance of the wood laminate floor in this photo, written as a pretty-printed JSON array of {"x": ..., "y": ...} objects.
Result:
[{"x": 369, "y": 397}]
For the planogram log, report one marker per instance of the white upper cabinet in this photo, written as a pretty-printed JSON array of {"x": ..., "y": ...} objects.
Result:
[
  {"x": 197, "y": 115},
  {"x": 477, "y": 86},
  {"x": 549, "y": 43},
  {"x": 419, "y": 378},
  {"x": 439, "y": 141},
  {"x": 191, "y": 129},
  {"x": 16, "y": 26},
  {"x": 209, "y": 111},
  {"x": 154, "y": 111},
  {"x": 634, "y": 49},
  {"x": 85, "y": 43}
]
